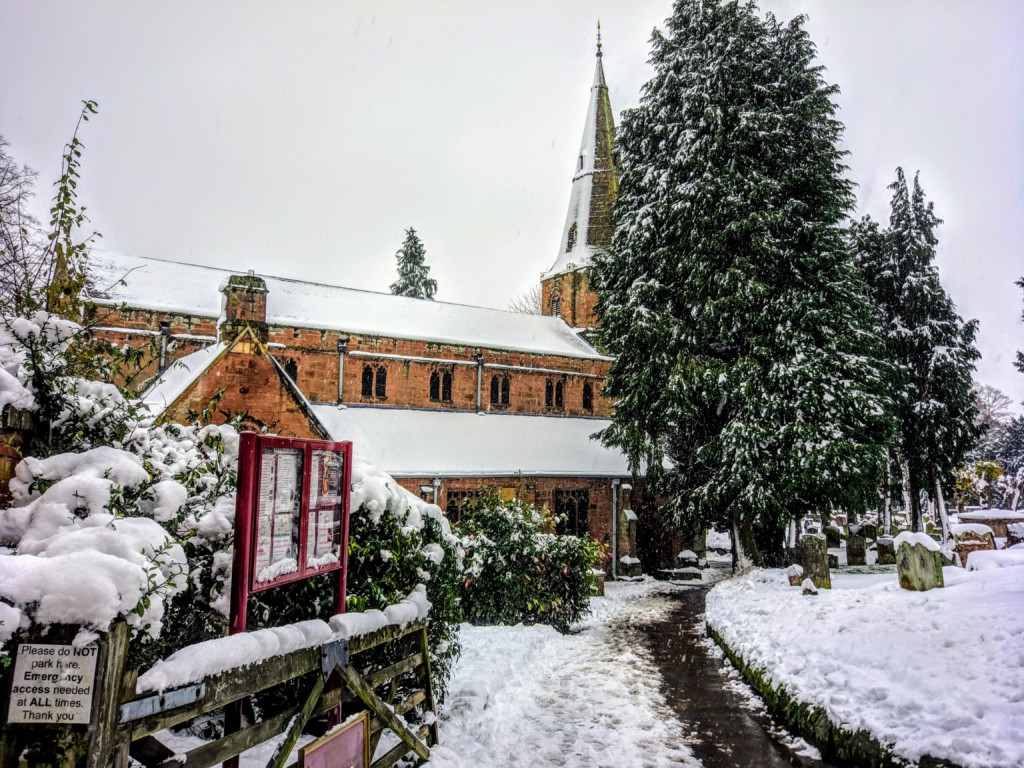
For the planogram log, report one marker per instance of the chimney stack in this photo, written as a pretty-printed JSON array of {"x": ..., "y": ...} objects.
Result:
[{"x": 245, "y": 304}]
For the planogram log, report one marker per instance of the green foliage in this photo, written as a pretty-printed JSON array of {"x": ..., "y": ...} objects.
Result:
[
  {"x": 747, "y": 377},
  {"x": 929, "y": 346},
  {"x": 518, "y": 571},
  {"x": 413, "y": 273}
]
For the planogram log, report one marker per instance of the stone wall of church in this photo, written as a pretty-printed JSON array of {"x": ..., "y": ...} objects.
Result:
[
  {"x": 247, "y": 384},
  {"x": 314, "y": 359},
  {"x": 578, "y": 301},
  {"x": 538, "y": 491}
]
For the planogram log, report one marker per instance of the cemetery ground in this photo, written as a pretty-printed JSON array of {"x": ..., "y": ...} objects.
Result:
[{"x": 936, "y": 677}]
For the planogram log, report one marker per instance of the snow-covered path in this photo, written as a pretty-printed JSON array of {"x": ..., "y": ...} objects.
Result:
[{"x": 528, "y": 696}]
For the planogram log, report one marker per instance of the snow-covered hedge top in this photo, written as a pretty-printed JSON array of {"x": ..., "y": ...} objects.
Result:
[
  {"x": 211, "y": 657},
  {"x": 909, "y": 537}
]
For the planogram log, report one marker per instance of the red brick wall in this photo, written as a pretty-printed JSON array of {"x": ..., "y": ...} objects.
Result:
[
  {"x": 579, "y": 302},
  {"x": 251, "y": 385},
  {"x": 315, "y": 353},
  {"x": 540, "y": 491}
]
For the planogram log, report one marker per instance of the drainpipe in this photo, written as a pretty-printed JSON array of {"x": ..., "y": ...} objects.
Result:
[
  {"x": 165, "y": 333},
  {"x": 437, "y": 490},
  {"x": 615, "y": 528},
  {"x": 342, "y": 349},
  {"x": 479, "y": 381}
]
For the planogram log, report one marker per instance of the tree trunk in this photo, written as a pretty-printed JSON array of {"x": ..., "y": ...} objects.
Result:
[
  {"x": 911, "y": 497},
  {"x": 940, "y": 504},
  {"x": 745, "y": 554}
]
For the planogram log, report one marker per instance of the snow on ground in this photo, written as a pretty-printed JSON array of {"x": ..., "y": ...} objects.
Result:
[
  {"x": 937, "y": 673},
  {"x": 529, "y": 696}
]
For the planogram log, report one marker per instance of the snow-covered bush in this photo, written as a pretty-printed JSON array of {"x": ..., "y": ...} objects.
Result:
[{"x": 518, "y": 571}]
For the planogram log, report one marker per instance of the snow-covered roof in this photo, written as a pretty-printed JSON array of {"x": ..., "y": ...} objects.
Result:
[
  {"x": 178, "y": 377},
  {"x": 408, "y": 442},
  {"x": 191, "y": 289}
]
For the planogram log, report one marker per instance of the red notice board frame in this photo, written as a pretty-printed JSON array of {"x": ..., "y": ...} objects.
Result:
[{"x": 250, "y": 468}]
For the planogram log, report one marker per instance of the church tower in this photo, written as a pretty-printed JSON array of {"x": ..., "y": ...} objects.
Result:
[{"x": 565, "y": 288}]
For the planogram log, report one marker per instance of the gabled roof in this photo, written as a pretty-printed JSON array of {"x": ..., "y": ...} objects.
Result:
[
  {"x": 408, "y": 442},
  {"x": 171, "y": 385},
  {"x": 191, "y": 289},
  {"x": 588, "y": 224}
]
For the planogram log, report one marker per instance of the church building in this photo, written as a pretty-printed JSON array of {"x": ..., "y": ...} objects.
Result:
[{"x": 451, "y": 400}]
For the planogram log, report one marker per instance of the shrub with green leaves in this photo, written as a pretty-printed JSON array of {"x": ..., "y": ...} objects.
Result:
[{"x": 519, "y": 571}]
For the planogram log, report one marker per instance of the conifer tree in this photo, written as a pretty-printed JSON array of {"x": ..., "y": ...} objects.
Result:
[
  {"x": 413, "y": 273},
  {"x": 746, "y": 372},
  {"x": 930, "y": 347}
]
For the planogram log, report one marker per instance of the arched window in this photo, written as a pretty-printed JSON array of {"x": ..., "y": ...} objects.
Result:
[
  {"x": 549, "y": 393},
  {"x": 556, "y": 305},
  {"x": 559, "y": 395},
  {"x": 588, "y": 396},
  {"x": 435, "y": 387},
  {"x": 291, "y": 367},
  {"x": 367, "y": 381},
  {"x": 570, "y": 240},
  {"x": 446, "y": 386},
  {"x": 506, "y": 389},
  {"x": 381, "y": 388},
  {"x": 495, "y": 390}
]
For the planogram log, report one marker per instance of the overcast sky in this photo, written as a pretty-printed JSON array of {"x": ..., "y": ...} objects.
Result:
[{"x": 301, "y": 139}]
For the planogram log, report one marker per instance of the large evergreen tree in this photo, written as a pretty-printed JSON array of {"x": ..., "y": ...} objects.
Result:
[
  {"x": 930, "y": 347},
  {"x": 745, "y": 378},
  {"x": 413, "y": 273}
]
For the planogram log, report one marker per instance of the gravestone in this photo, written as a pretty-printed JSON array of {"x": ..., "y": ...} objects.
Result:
[
  {"x": 855, "y": 549},
  {"x": 795, "y": 574},
  {"x": 918, "y": 562},
  {"x": 812, "y": 555},
  {"x": 834, "y": 535},
  {"x": 971, "y": 537},
  {"x": 1014, "y": 534},
  {"x": 886, "y": 551}
]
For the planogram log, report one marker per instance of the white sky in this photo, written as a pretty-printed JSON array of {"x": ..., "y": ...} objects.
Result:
[{"x": 301, "y": 138}]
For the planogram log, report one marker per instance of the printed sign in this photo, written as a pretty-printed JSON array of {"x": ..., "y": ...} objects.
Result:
[{"x": 53, "y": 684}]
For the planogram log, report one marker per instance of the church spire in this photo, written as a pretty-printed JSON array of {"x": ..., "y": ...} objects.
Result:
[{"x": 588, "y": 224}]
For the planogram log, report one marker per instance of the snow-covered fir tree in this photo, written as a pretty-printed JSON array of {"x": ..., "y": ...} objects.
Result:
[
  {"x": 746, "y": 371},
  {"x": 413, "y": 273},
  {"x": 930, "y": 347}
]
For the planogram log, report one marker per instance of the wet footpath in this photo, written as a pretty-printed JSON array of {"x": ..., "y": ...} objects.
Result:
[{"x": 728, "y": 725}]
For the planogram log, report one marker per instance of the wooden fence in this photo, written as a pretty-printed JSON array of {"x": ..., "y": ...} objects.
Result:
[{"x": 336, "y": 674}]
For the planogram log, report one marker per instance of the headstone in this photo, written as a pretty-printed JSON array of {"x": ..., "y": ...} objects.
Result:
[
  {"x": 1014, "y": 534},
  {"x": 855, "y": 549},
  {"x": 795, "y": 574},
  {"x": 869, "y": 531},
  {"x": 918, "y": 562},
  {"x": 833, "y": 561},
  {"x": 970, "y": 537},
  {"x": 809, "y": 588},
  {"x": 813, "y": 557},
  {"x": 834, "y": 535},
  {"x": 886, "y": 551}
]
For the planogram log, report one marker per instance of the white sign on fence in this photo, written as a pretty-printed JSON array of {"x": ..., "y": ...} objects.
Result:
[{"x": 53, "y": 684}]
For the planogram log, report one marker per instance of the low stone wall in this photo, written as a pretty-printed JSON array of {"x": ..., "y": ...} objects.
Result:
[{"x": 857, "y": 749}]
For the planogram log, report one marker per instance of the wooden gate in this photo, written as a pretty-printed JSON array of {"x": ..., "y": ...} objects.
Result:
[{"x": 335, "y": 674}]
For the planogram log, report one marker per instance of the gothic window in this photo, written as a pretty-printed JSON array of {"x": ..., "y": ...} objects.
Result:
[
  {"x": 506, "y": 387},
  {"x": 556, "y": 305},
  {"x": 495, "y": 390},
  {"x": 446, "y": 386},
  {"x": 291, "y": 368},
  {"x": 571, "y": 507},
  {"x": 381, "y": 387},
  {"x": 570, "y": 240},
  {"x": 549, "y": 393},
  {"x": 435, "y": 387},
  {"x": 579, "y": 164},
  {"x": 457, "y": 502},
  {"x": 559, "y": 395},
  {"x": 367, "y": 381},
  {"x": 588, "y": 396}
]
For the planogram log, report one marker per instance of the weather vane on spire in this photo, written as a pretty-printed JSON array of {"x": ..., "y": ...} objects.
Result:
[{"x": 598, "y": 37}]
